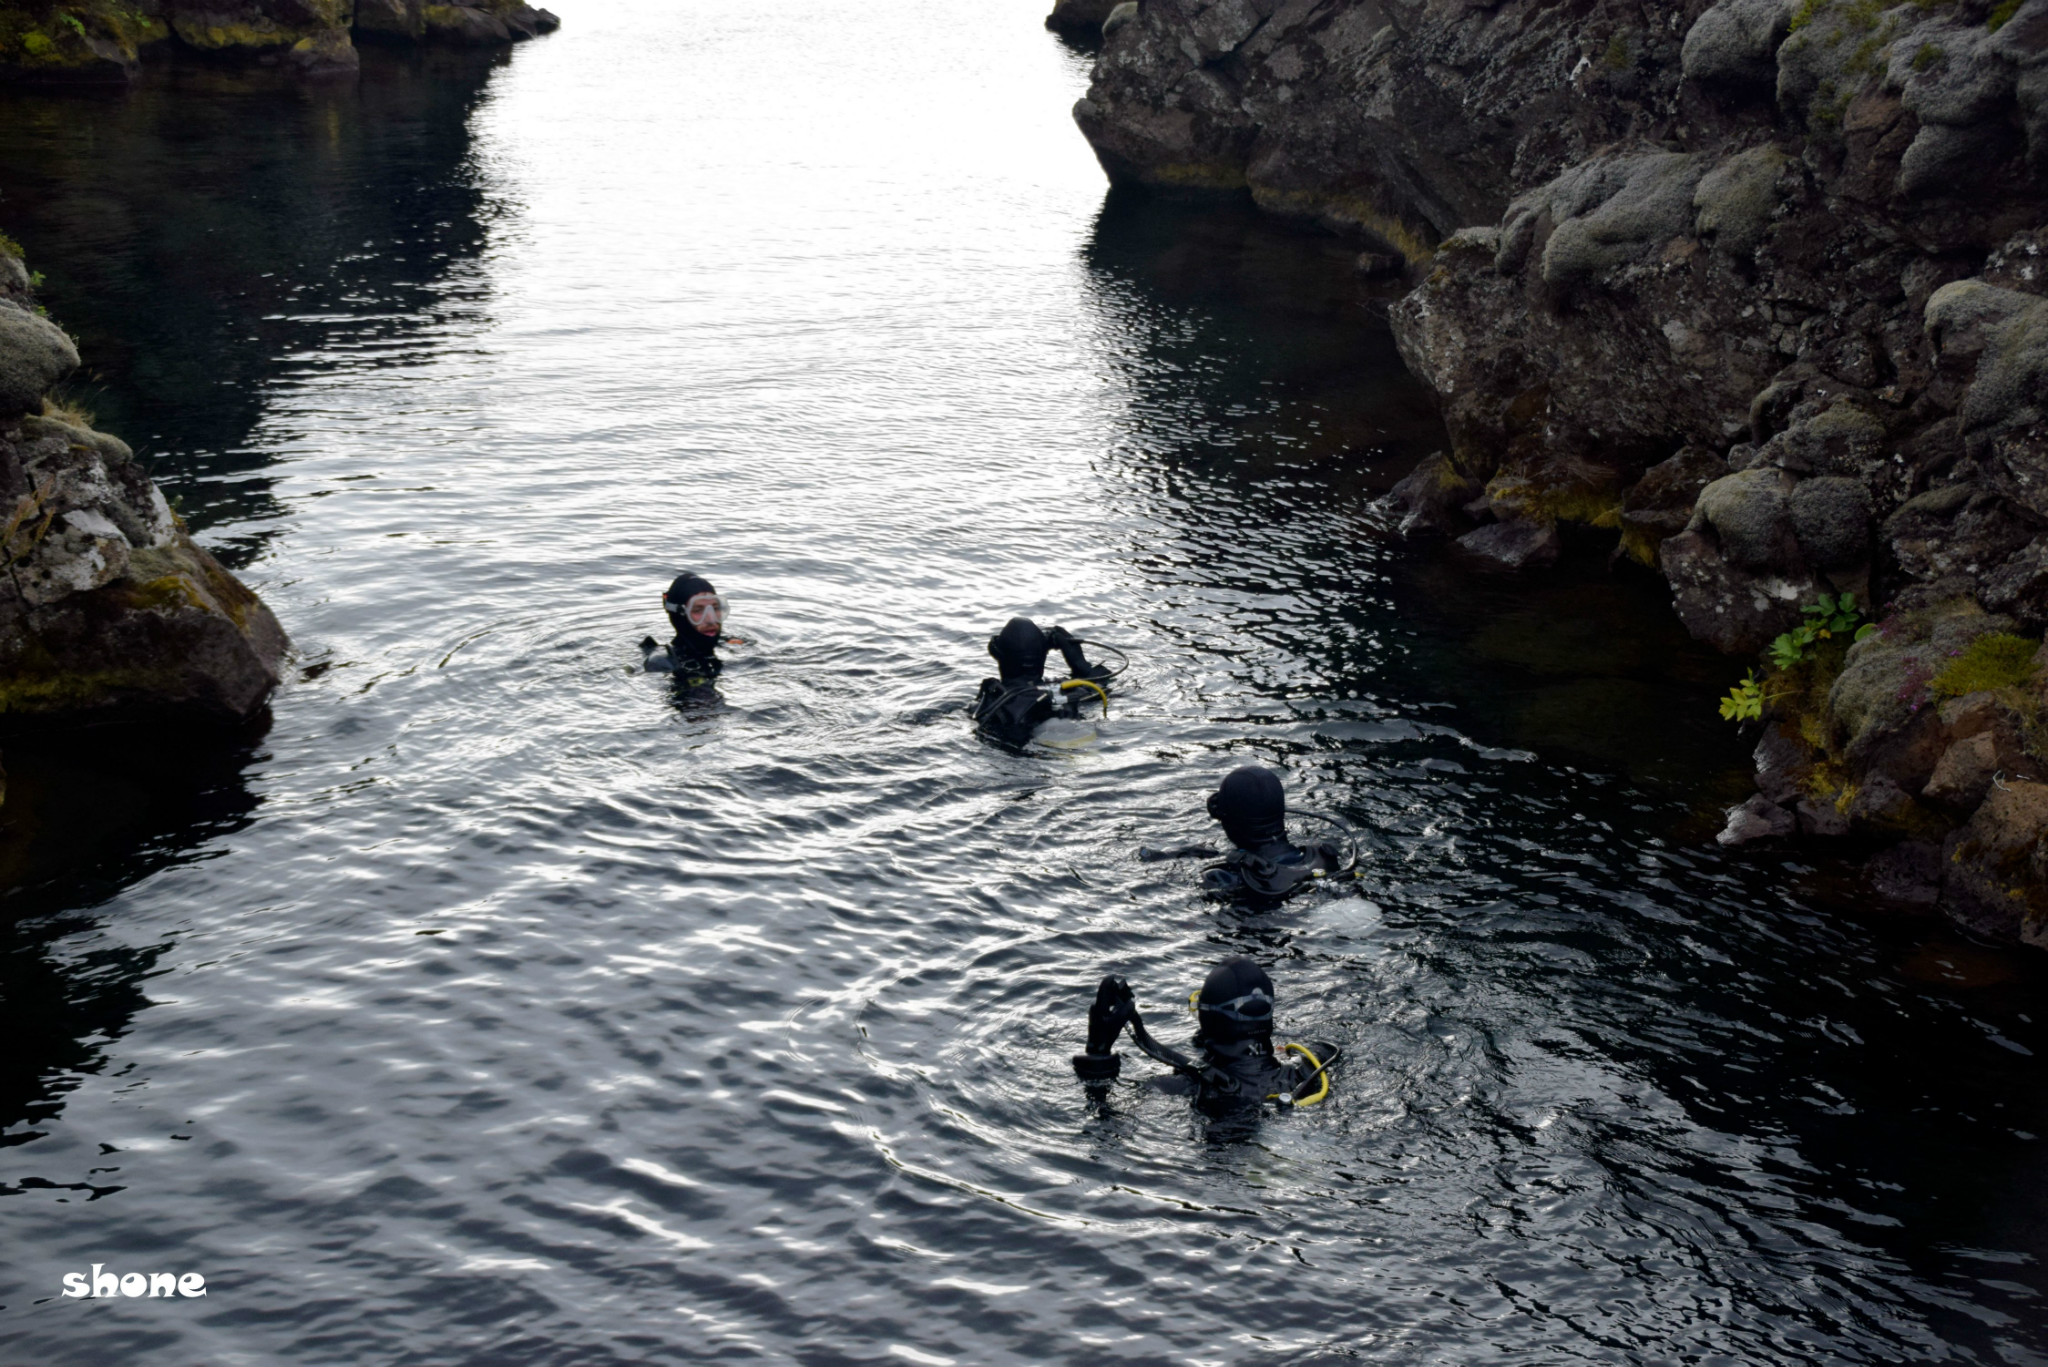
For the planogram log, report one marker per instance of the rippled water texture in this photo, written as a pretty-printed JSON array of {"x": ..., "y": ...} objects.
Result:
[{"x": 493, "y": 1008}]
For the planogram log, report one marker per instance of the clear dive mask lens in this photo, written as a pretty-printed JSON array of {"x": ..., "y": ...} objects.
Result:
[
  {"x": 1253, "y": 1008},
  {"x": 706, "y": 610}
]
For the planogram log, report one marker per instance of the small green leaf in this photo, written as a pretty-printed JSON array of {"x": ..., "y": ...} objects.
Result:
[{"x": 1868, "y": 629}]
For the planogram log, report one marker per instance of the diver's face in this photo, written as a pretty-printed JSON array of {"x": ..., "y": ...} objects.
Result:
[{"x": 706, "y": 612}]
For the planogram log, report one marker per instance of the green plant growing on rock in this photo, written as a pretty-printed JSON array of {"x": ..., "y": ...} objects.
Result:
[
  {"x": 1745, "y": 701},
  {"x": 2002, "y": 14},
  {"x": 1834, "y": 615},
  {"x": 1993, "y": 661}
]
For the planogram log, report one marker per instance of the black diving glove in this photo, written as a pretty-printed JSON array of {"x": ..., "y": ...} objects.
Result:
[
  {"x": 1115, "y": 1005},
  {"x": 1063, "y": 641}
]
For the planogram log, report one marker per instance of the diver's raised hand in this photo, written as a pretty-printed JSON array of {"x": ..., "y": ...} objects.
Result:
[
  {"x": 1069, "y": 648},
  {"x": 1115, "y": 1005}
]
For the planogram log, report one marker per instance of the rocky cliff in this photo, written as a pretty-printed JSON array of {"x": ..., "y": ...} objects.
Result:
[
  {"x": 1761, "y": 286},
  {"x": 105, "y": 41},
  {"x": 107, "y": 610}
]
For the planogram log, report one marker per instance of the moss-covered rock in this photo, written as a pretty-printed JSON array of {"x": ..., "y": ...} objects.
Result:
[
  {"x": 327, "y": 53},
  {"x": 1995, "y": 879},
  {"x": 257, "y": 26},
  {"x": 390, "y": 20},
  {"x": 1736, "y": 42},
  {"x": 107, "y": 608},
  {"x": 484, "y": 23},
  {"x": 1886, "y": 683},
  {"x": 77, "y": 42},
  {"x": 1733, "y": 203},
  {"x": 34, "y": 354},
  {"x": 104, "y": 40}
]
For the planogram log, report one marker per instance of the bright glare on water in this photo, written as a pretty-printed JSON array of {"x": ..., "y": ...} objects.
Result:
[{"x": 492, "y": 1007}]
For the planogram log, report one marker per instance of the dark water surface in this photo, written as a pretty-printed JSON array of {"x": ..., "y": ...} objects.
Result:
[{"x": 492, "y": 1008}]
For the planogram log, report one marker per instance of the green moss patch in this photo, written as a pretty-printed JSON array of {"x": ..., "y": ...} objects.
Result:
[
  {"x": 1994, "y": 661},
  {"x": 75, "y": 34},
  {"x": 1561, "y": 500},
  {"x": 171, "y": 591}
]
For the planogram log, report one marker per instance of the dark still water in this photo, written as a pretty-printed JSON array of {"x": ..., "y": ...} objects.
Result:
[{"x": 490, "y": 1007}]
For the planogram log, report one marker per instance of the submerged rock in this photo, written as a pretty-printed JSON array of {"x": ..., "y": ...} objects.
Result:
[
  {"x": 1908, "y": 873},
  {"x": 1517, "y": 544},
  {"x": 1757, "y": 819},
  {"x": 1433, "y": 495}
]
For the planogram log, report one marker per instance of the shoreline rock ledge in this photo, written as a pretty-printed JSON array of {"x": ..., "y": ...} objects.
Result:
[
  {"x": 105, "y": 42},
  {"x": 108, "y": 610},
  {"x": 1761, "y": 287}
]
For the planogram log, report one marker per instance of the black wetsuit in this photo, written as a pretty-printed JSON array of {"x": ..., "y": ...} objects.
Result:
[
  {"x": 1280, "y": 869},
  {"x": 1008, "y": 709},
  {"x": 1235, "y": 1065},
  {"x": 1252, "y": 806},
  {"x": 1248, "y": 1073},
  {"x": 689, "y": 657}
]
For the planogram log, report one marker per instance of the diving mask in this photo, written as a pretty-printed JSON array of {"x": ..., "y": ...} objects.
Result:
[
  {"x": 706, "y": 612},
  {"x": 1253, "y": 1008}
]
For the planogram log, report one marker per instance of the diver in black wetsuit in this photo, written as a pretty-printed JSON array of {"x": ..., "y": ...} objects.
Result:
[
  {"x": 1237, "y": 1067},
  {"x": 1010, "y": 708},
  {"x": 698, "y": 615},
  {"x": 1253, "y": 809}
]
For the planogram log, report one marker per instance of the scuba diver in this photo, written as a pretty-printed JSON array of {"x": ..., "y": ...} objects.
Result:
[
  {"x": 1264, "y": 864},
  {"x": 698, "y": 615},
  {"x": 1010, "y": 708},
  {"x": 1238, "y": 1067}
]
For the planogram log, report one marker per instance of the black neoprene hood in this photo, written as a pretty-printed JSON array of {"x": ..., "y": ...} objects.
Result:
[
  {"x": 1252, "y": 807},
  {"x": 1231, "y": 981},
  {"x": 1019, "y": 650}
]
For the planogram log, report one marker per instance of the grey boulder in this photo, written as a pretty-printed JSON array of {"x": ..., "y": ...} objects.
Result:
[{"x": 34, "y": 354}]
